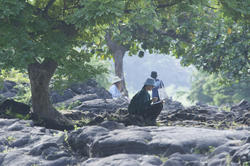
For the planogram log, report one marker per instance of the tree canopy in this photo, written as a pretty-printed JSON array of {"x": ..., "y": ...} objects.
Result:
[
  {"x": 200, "y": 32},
  {"x": 207, "y": 34}
]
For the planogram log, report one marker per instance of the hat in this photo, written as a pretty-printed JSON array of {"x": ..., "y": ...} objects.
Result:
[
  {"x": 116, "y": 79},
  {"x": 153, "y": 74},
  {"x": 150, "y": 82}
]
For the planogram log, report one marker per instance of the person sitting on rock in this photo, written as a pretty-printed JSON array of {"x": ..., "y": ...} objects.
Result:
[
  {"x": 115, "y": 89},
  {"x": 141, "y": 104}
]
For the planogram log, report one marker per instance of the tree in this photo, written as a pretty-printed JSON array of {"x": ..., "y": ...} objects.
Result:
[
  {"x": 211, "y": 89},
  {"x": 198, "y": 32},
  {"x": 41, "y": 36},
  {"x": 237, "y": 9}
]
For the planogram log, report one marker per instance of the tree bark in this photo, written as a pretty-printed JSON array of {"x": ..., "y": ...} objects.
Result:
[
  {"x": 118, "y": 52},
  {"x": 40, "y": 76}
]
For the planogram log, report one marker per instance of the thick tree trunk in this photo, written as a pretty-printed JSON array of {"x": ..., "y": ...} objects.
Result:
[
  {"x": 118, "y": 52},
  {"x": 40, "y": 76}
]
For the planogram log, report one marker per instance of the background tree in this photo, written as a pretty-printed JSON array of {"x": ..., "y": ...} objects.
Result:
[{"x": 211, "y": 89}]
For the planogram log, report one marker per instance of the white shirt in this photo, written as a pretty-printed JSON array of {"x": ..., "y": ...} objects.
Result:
[{"x": 115, "y": 91}]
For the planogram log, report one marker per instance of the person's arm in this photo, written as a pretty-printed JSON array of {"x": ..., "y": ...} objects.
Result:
[{"x": 161, "y": 84}]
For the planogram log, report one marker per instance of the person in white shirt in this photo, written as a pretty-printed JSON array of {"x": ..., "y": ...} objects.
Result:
[{"x": 115, "y": 89}]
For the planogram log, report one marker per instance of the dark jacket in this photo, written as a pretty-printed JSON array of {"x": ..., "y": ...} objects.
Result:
[{"x": 140, "y": 102}]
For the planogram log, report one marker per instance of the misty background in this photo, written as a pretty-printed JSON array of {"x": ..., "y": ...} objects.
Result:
[{"x": 177, "y": 79}]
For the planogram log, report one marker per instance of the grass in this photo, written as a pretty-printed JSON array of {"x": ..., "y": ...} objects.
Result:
[
  {"x": 162, "y": 158},
  {"x": 10, "y": 139}
]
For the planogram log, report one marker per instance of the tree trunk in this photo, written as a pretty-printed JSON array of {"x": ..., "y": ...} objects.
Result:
[
  {"x": 118, "y": 52},
  {"x": 40, "y": 76}
]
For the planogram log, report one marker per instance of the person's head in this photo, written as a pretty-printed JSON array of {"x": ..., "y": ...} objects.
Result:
[
  {"x": 117, "y": 81},
  {"x": 149, "y": 84},
  {"x": 154, "y": 74}
]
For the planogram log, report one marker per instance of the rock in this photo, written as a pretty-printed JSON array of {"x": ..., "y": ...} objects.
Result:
[
  {"x": 119, "y": 142},
  {"x": 174, "y": 162},
  {"x": 172, "y": 105},
  {"x": 124, "y": 160},
  {"x": 206, "y": 116},
  {"x": 101, "y": 105},
  {"x": 243, "y": 154},
  {"x": 81, "y": 92},
  {"x": 80, "y": 139},
  {"x": 9, "y": 108},
  {"x": 242, "y": 105},
  {"x": 112, "y": 125},
  {"x": 161, "y": 141},
  {"x": 30, "y": 145},
  {"x": 57, "y": 97},
  {"x": 8, "y": 89}
]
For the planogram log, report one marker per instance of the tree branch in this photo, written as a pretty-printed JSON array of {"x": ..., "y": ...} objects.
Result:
[
  {"x": 113, "y": 45},
  {"x": 211, "y": 7},
  {"x": 169, "y": 4},
  {"x": 50, "y": 3},
  {"x": 172, "y": 34}
]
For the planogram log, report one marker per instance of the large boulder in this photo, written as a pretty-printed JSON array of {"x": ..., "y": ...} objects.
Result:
[
  {"x": 8, "y": 90},
  {"x": 13, "y": 109},
  {"x": 86, "y": 91},
  {"x": 103, "y": 105}
]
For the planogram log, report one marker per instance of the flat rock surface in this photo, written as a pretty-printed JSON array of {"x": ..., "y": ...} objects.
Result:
[{"x": 111, "y": 144}]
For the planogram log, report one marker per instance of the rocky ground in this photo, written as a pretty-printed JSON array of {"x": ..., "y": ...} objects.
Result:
[
  {"x": 111, "y": 143},
  {"x": 200, "y": 135}
]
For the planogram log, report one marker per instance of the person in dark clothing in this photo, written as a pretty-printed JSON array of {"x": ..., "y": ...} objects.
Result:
[
  {"x": 158, "y": 84},
  {"x": 141, "y": 104}
]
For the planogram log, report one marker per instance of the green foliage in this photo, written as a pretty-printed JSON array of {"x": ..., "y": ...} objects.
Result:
[
  {"x": 102, "y": 79},
  {"x": 14, "y": 75},
  {"x": 33, "y": 31},
  {"x": 97, "y": 68},
  {"x": 22, "y": 80},
  {"x": 197, "y": 32},
  {"x": 10, "y": 139},
  {"x": 237, "y": 9},
  {"x": 212, "y": 89},
  {"x": 246, "y": 163}
]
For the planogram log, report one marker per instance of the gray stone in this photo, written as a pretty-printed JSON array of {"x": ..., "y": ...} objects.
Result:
[
  {"x": 124, "y": 160},
  {"x": 131, "y": 142},
  {"x": 112, "y": 125},
  {"x": 38, "y": 149},
  {"x": 174, "y": 162},
  {"x": 243, "y": 154},
  {"x": 81, "y": 139}
]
